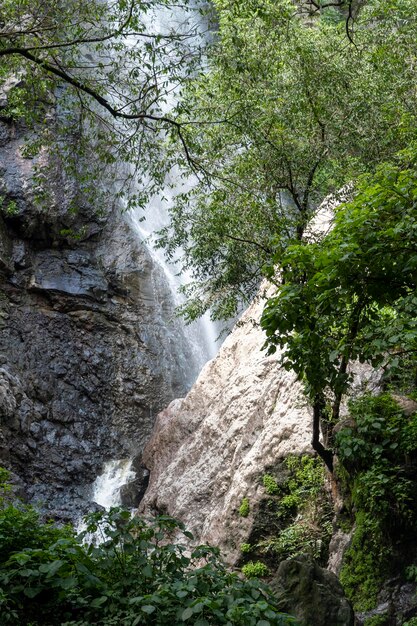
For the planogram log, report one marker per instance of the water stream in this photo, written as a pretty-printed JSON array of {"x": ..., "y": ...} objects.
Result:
[{"x": 106, "y": 487}]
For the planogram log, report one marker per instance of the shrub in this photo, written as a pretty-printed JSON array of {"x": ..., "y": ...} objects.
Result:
[
  {"x": 245, "y": 548},
  {"x": 270, "y": 484},
  {"x": 381, "y": 432},
  {"x": 255, "y": 569},
  {"x": 298, "y": 538},
  {"x": 244, "y": 508},
  {"x": 137, "y": 575}
]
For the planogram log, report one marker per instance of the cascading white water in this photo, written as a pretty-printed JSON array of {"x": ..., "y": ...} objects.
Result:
[
  {"x": 106, "y": 487},
  {"x": 106, "y": 491},
  {"x": 200, "y": 338}
]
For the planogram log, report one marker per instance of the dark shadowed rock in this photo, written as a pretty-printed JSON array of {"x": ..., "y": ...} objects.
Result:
[
  {"x": 397, "y": 602},
  {"x": 132, "y": 493},
  {"x": 86, "y": 347},
  {"x": 312, "y": 594}
]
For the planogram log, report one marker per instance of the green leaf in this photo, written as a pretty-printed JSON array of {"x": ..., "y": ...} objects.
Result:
[
  {"x": 97, "y": 602},
  {"x": 32, "y": 592},
  {"x": 147, "y": 571},
  {"x": 51, "y": 568},
  {"x": 187, "y": 614},
  {"x": 68, "y": 583}
]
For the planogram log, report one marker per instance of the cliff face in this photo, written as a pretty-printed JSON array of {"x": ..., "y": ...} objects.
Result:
[
  {"x": 86, "y": 356},
  {"x": 209, "y": 450}
]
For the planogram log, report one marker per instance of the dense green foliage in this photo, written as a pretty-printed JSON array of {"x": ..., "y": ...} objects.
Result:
[
  {"x": 293, "y": 518},
  {"x": 138, "y": 574},
  {"x": 378, "y": 454},
  {"x": 303, "y": 111},
  {"x": 94, "y": 79},
  {"x": 352, "y": 295}
]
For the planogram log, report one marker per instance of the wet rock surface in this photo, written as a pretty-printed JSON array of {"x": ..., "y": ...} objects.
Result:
[{"x": 86, "y": 358}]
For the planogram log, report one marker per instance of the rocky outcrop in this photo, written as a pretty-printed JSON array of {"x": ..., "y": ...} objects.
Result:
[
  {"x": 87, "y": 341},
  {"x": 311, "y": 594},
  {"x": 396, "y": 605},
  {"x": 209, "y": 450},
  {"x": 244, "y": 415}
]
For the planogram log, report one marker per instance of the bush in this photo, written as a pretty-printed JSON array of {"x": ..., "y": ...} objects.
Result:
[
  {"x": 255, "y": 569},
  {"x": 19, "y": 524},
  {"x": 245, "y": 548},
  {"x": 244, "y": 508},
  {"x": 299, "y": 538},
  {"x": 270, "y": 484},
  {"x": 137, "y": 575},
  {"x": 381, "y": 432}
]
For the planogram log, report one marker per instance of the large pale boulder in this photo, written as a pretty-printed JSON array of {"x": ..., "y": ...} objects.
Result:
[
  {"x": 244, "y": 415},
  {"x": 209, "y": 450}
]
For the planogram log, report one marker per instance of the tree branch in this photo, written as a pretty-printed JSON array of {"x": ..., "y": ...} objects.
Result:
[
  {"x": 249, "y": 241},
  {"x": 76, "y": 42},
  {"x": 101, "y": 100}
]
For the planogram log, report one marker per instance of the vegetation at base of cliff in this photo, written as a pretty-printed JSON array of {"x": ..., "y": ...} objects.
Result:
[
  {"x": 136, "y": 575},
  {"x": 378, "y": 469},
  {"x": 255, "y": 569},
  {"x": 293, "y": 518}
]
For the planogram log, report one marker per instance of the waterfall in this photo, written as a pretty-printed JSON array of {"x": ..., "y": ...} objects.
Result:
[
  {"x": 191, "y": 346},
  {"x": 196, "y": 343},
  {"x": 106, "y": 491},
  {"x": 106, "y": 487}
]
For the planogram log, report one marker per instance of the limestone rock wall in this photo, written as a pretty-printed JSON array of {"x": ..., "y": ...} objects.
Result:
[
  {"x": 209, "y": 450},
  {"x": 243, "y": 416}
]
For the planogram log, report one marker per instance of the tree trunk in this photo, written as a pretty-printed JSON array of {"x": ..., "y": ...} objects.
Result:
[{"x": 324, "y": 453}]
